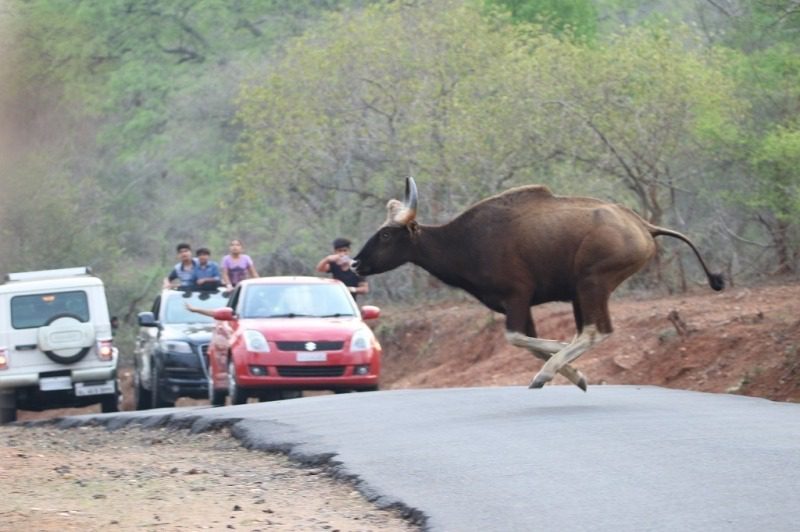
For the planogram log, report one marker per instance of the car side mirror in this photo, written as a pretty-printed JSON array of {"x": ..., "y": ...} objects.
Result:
[
  {"x": 147, "y": 319},
  {"x": 370, "y": 312},
  {"x": 223, "y": 314}
]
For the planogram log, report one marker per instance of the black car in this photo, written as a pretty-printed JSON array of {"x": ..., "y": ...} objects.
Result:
[{"x": 172, "y": 347}]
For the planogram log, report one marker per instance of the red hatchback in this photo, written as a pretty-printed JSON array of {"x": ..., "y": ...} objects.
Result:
[{"x": 281, "y": 335}]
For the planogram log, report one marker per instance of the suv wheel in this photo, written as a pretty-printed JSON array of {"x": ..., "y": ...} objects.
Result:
[
  {"x": 141, "y": 395},
  {"x": 8, "y": 407},
  {"x": 156, "y": 395},
  {"x": 238, "y": 396},
  {"x": 110, "y": 403}
]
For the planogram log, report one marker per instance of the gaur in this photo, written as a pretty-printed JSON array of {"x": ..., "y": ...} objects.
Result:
[{"x": 524, "y": 247}]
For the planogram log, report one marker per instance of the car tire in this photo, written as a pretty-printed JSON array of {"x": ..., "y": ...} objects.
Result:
[
  {"x": 110, "y": 403},
  {"x": 8, "y": 408},
  {"x": 141, "y": 395},
  {"x": 237, "y": 395},
  {"x": 279, "y": 395},
  {"x": 215, "y": 397},
  {"x": 157, "y": 400}
]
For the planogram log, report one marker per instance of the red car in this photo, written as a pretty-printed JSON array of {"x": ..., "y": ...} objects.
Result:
[{"x": 281, "y": 335}]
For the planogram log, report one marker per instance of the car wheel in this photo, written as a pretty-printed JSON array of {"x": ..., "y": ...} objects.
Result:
[
  {"x": 8, "y": 408},
  {"x": 279, "y": 395},
  {"x": 157, "y": 399},
  {"x": 141, "y": 395},
  {"x": 215, "y": 397},
  {"x": 237, "y": 395},
  {"x": 110, "y": 403}
]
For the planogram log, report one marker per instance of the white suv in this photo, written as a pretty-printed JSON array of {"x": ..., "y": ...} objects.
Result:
[{"x": 56, "y": 345}]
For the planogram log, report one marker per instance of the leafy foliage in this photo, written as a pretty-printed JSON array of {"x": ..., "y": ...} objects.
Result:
[{"x": 130, "y": 125}]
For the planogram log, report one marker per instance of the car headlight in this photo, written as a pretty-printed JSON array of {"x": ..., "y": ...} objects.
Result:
[
  {"x": 255, "y": 342},
  {"x": 362, "y": 340},
  {"x": 175, "y": 346}
]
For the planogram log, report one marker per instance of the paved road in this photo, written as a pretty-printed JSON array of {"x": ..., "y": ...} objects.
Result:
[{"x": 618, "y": 458}]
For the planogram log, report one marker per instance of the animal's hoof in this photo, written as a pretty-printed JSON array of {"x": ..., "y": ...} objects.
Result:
[{"x": 537, "y": 382}]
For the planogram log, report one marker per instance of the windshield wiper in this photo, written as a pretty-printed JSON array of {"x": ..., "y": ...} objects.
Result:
[
  {"x": 291, "y": 315},
  {"x": 338, "y": 315}
]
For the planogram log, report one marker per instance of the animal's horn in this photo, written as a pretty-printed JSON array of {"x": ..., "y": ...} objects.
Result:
[
  {"x": 411, "y": 196},
  {"x": 409, "y": 210}
]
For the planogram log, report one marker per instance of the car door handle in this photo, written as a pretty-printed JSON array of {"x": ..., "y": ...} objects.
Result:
[{"x": 26, "y": 347}]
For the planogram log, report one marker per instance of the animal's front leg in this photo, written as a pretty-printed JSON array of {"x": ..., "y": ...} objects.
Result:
[
  {"x": 589, "y": 337},
  {"x": 544, "y": 350}
]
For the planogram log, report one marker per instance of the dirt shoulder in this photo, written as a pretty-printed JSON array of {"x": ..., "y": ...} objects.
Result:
[
  {"x": 744, "y": 340},
  {"x": 88, "y": 478}
]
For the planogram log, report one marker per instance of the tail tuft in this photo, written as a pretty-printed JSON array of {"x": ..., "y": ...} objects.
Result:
[{"x": 717, "y": 281}]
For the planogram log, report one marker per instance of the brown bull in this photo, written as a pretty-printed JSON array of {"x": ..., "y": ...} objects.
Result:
[{"x": 524, "y": 247}]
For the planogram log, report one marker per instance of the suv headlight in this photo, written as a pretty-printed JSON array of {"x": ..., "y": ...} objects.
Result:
[
  {"x": 255, "y": 342},
  {"x": 175, "y": 346},
  {"x": 362, "y": 340}
]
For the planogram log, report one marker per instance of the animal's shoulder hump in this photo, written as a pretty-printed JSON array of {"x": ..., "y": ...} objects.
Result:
[{"x": 522, "y": 194}]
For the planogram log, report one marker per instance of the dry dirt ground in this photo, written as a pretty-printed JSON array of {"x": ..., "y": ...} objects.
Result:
[
  {"x": 89, "y": 478},
  {"x": 745, "y": 340}
]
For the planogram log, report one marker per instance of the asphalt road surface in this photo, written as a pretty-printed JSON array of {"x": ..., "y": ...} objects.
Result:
[{"x": 618, "y": 458}]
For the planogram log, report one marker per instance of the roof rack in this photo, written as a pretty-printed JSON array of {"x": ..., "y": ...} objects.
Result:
[{"x": 49, "y": 274}]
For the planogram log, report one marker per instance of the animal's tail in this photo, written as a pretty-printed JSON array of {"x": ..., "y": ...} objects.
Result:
[{"x": 715, "y": 280}]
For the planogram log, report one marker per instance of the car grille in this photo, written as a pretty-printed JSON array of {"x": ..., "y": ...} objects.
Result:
[
  {"x": 301, "y": 346},
  {"x": 311, "y": 371}
]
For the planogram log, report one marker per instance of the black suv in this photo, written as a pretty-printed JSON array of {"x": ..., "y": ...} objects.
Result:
[{"x": 172, "y": 348}]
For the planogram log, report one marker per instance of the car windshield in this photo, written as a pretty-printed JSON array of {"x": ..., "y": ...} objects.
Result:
[
  {"x": 297, "y": 300},
  {"x": 31, "y": 311},
  {"x": 175, "y": 310}
]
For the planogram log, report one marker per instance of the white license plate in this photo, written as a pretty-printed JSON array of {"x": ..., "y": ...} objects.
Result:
[
  {"x": 48, "y": 384},
  {"x": 82, "y": 389},
  {"x": 311, "y": 356}
]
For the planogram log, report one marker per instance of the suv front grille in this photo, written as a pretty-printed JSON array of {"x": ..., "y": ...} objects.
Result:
[
  {"x": 301, "y": 346},
  {"x": 311, "y": 371}
]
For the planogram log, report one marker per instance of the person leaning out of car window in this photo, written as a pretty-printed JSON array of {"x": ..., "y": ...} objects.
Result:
[
  {"x": 207, "y": 275},
  {"x": 338, "y": 265},
  {"x": 182, "y": 275}
]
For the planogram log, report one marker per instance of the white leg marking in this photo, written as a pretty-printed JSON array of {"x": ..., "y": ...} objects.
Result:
[
  {"x": 544, "y": 349},
  {"x": 588, "y": 338}
]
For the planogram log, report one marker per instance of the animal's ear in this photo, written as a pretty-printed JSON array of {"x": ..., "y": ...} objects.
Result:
[{"x": 393, "y": 208}]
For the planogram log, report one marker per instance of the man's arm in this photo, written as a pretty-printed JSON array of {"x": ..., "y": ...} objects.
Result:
[
  {"x": 198, "y": 310},
  {"x": 169, "y": 279},
  {"x": 362, "y": 287},
  {"x": 324, "y": 266}
]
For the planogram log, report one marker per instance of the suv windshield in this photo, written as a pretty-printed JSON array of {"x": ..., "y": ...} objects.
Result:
[
  {"x": 297, "y": 300},
  {"x": 175, "y": 310},
  {"x": 32, "y": 311}
]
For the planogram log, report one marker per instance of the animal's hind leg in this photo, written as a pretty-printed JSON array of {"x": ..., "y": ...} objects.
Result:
[
  {"x": 593, "y": 308},
  {"x": 544, "y": 350},
  {"x": 588, "y": 338}
]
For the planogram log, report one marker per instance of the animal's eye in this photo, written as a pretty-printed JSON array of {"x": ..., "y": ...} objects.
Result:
[{"x": 385, "y": 235}]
